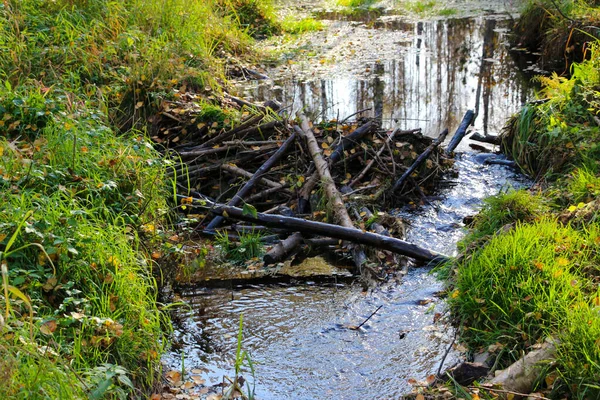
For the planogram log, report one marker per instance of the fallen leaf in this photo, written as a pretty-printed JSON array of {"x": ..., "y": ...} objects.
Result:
[
  {"x": 173, "y": 376},
  {"x": 48, "y": 327}
]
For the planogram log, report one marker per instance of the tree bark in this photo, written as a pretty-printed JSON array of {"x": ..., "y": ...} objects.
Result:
[{"x": 281, "y": 250}]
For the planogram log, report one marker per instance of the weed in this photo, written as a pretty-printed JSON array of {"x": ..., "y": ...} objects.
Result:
[
  {"x": 242, "y": 359},
  {"x": 561, "y": 132},
  {"x": 248, "y": 247}
]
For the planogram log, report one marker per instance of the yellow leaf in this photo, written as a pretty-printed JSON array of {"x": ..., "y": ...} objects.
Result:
[
  {"x": 572, "y": 208},
  {"x": 324, "y": 145},
  {"x": 139, "y": 104},
  {"x": 580, "y": 205},
  {"x": 420, "y": 397}
]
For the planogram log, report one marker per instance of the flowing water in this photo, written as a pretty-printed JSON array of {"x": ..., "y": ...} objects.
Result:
[{"x": 426, "y": 75}]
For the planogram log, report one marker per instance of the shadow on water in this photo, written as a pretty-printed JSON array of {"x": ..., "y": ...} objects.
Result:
[{"x": 295, "y": 333}]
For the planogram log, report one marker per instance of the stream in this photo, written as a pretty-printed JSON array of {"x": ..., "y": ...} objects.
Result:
[{"x": 411, "y": 74}]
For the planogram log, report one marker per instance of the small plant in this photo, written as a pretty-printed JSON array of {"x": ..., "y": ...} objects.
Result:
[
  {"x": 249, "y": 246},
  {"x": 500, "y": 210},
  {"x": 242, "y": 359}
]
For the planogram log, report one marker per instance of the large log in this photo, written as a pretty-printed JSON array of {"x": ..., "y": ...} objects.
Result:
[
  {"x": 461, "y": 131},
  {"x": 263, "y": 169},
  {"x": 353, "y": 235},
  {"x": 420, "y": 160},
  {"x": 335, "y": 198},
  {"x": 348, "y": 142}
]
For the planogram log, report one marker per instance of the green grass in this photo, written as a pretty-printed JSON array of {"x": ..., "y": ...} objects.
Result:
[
  {"x": 355, "y": 3},
  {"x": 539, "y": 280},
  {"x": 249, "y": 246},
  {"x": 421, "y": 7},
  {"x": 504, "y": 209},
  {"x": 448, "y": 12},
  {"x": 291, "y": 25}
]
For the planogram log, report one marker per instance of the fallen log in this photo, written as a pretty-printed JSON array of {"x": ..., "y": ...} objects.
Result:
[
  {"x": 490, "y": 139},
  {"x": 262, "y": 170},
  {"x": 420, "y": 160},
  {"x": 335, "y": 199},
  {"x": 282, "y": 249},
  {"x": 347, "y": 143},
  {"x": 461, "y": 131},
  {"x": 353, "y": 235},
  {"x": 242, "y": 172}
]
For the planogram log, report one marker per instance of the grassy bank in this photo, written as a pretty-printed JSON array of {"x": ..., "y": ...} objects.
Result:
[
  {"x": 83, "y": 192},
  {"x": 530, "y": 267}
]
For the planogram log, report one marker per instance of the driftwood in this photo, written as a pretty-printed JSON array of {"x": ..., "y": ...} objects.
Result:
[
  {"x": 239, "y": 196},
  {"x": 242, "y": 172},
  {"x": 353, "y": 235},
  {"x": 420, "y": 160},
  {"x": 521, "y": 376},
  {"x": 461, "y": 131}
]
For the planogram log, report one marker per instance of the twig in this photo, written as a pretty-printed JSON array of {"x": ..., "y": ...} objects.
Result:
[
  {"x": 439, "y": 371},
  {"x": 356, "y": 113},
  {"x": 355, "y": 328}
]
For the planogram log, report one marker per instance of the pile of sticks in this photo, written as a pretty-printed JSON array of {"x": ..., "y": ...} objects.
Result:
[{"x": 303, "y": 185}]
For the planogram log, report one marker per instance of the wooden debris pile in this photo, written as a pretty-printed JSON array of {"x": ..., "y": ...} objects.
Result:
[{"x": 304, "y": 186}]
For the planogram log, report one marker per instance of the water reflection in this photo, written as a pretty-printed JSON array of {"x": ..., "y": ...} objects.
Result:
[{"x": 447, "y": 67}]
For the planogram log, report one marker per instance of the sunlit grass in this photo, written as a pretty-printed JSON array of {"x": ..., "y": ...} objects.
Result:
[{"x": 534, "y": 282}]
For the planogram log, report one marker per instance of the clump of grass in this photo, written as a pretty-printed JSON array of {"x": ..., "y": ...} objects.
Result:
[
  {"x": 448, "y": 12},
  {"x": 503, "y": 209},
  {"x": 255, "y": 17},
  {"x": 249, "y": 246},
  {"x": 421, "y": 7},
  {"x": 531, "y": 283},
  {"x": 291, "y": 25},
  {"x": 355, "y": 3}
]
